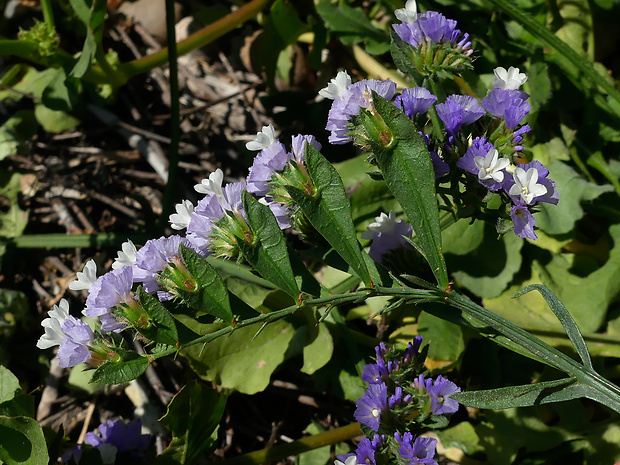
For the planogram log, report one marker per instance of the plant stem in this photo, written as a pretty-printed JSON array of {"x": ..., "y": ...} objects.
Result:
[
  {"x": 175, "y": 119},
  {"x": 199, "y": 39},
  {"x": 48, "y": 14},
  {"x": 280, "y": 452}
]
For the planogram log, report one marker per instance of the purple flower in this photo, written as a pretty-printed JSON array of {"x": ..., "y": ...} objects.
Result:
[
  {"x": 459, "y": 110},
  {"x": 508, "y": 104},
  {"x": 422, "y": 450},
  {"x": 109, "y": 290},
  {"x": 441, "y": 167},
  {"x": 366, "y": 452},
  {"x": 479, "y": 158},
  {"x": 440, "y": 391},
  {"x": 414, "y": 101},
  {"x": 279, "y": 210},
  {"x": 523, "y": 222},
  {"x": 298, "y": 144},
  {"x": 154, "y": 257},
  {"x": 434, "y": 27},
  {"x": 387, "y": 234},
  {"x": 124, "y": 437},
  {"x": 358, "y": 95},
  {"x": 397, "y": 398},
  {"x": 74, "y": 342},
  {"x": 412, "y": 350},
  {"x": 266, "y": 163},
  {"x": 375, "y": 373},
  {"x": 371, "y": 405}
]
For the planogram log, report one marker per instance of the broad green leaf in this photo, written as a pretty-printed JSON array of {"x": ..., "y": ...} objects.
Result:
[
  {"x": 163, "y": 329},
  {"x": 80, "y": 378},
  {"x": 565, "y": 318},
  {"x": 404, "y": 160},
  {"x": 576, "y": 30},
  {"x": 54, "y": 121},
  {"x": 489, "y": 269},
  {"x": 12, "y": 222},
  {"x": 522, "y": 396},
  {"x": 129, "y": 367},
  {"x": 318, "y": 348},
  {"x": 286, "y": 21},
  {"x": 267, "y": 253},
  {"x": 211, "y": 297},
  {"x": 22, "y": 442},
  {"x": 242, "y": 361},
  {"x": 462, "y": 436},
  {"x": 22, "y": 405},
  {"x": 9, "y": 385},
  {"x": 462, "y": 237},
  {"x": 560, "y": 218},
  {"x": 318, "y": 456},
  {"x": 445, "y": 339},
  {"x": 329, "y": 211},
  {"x": 353, "y": 26},
  {"x": 192, "y": 416},
  {"x": 15, "y": 131}
]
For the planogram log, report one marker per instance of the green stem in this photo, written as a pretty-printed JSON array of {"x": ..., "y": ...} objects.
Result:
[
  {"x": 199, "y": 39},
  {"x": 175, "y": 119},
  {"x": 48, "y": 14},
  {"x": 111, "y": 75},
  {"x": 280, "y": 452},
  {"x": 551, "y": 40},
  {"x": 59, "y": 241},
  {"x": 22, "y": 48}
]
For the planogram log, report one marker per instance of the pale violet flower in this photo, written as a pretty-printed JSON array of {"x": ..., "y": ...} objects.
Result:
[
  {"x": 526, "y": 185},
  {"x": 126, "y": 256},
  {"x": 52, "y": 325},
  {"x": 212, "y": 185},
  {"x": 351, "y": 460},
  {"x": 182, "y": 217},
  {"x": 491, "y": 166},
  {"x": 86, "y": 278},
  {"x": 263, "y": 139},
  {"x": 409, "y": 14},
  {"x": 382, "y": 224},
  {"x": 511, "y": 79},
  {"x": 337, "y": 86}
]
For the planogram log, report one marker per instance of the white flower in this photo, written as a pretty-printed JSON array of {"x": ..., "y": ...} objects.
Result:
[
  {"x": 126, "y": 256},
  {"x": 409, "y": 14},
  {"x": 263, "y": 139},
  {"x": 351, "y": 460},
  {"x": 511, "y": 79},
  {"x": 213, "y": 185},
  {"x": 182, "y": 217},
  {"x": 383, "y": 223},
  {"x": 526, "y": 185},
  {"x": 86, "y": 278},
  {"x": 491, "y": 166},
  {"x": 53, "y": 332},
  {"x": 336, "y": 86}
]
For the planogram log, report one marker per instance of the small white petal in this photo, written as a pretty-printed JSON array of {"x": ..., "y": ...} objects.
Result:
[
  {"x": 511, "y": 79},
  {"x": 383, "y": 223},
  {"x": 52, "y": 325},
  {"x": 409, "y": 14},
  {"x": 263, "y": 139},
  {"x": 126, "y": 256},
  {"x": 212, "y": 185},
  {"x": 86, "y": 278},
  {"x": 337, "y": 86},
  {"x": 180, "y": 220}
]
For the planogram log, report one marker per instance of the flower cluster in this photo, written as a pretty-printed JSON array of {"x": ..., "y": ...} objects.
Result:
[
  {"x": 114, "y": 437},
  {"x": 475, "y": 142},
  {"x": 399, "y": 402}
]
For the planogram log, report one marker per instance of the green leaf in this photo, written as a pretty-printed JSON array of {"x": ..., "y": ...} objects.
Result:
[
  {"x": 242, "y": 361},
  {"x": 192, "y": 416},
  {"x": 403, "y": 56},
  {"x": 404, "y": 160},
  {"x": 462, "y": 436},
  {"x": 490, "y": 268},
  {"x": 80, "y": 378},
  {"x": 54, "y": 121},
  {"x": 267, "y": 253},
  {"x": 353, "y": 26},
  {"x": 462, "y": 237},
  {"x": 22, "y": 442},
  {"x": 211, "y": 297},
  {"x": 9, "y": 385},
  {"x": 522, "y": 396},
  {"x": 318, "y": 348},
  {"x": 565, "y": 318},
  {"x": 573, "y": 189},
  {"x": 163, "y": 329},
  {"x": 129, "y": 367},
  {"x": 15, "y": 131},
  {"x": 14, "y": 221},
  {"x": 329, "y": 211},
  {"x": 94, "y": 31},
  {"x": 445, "y": 339}
]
